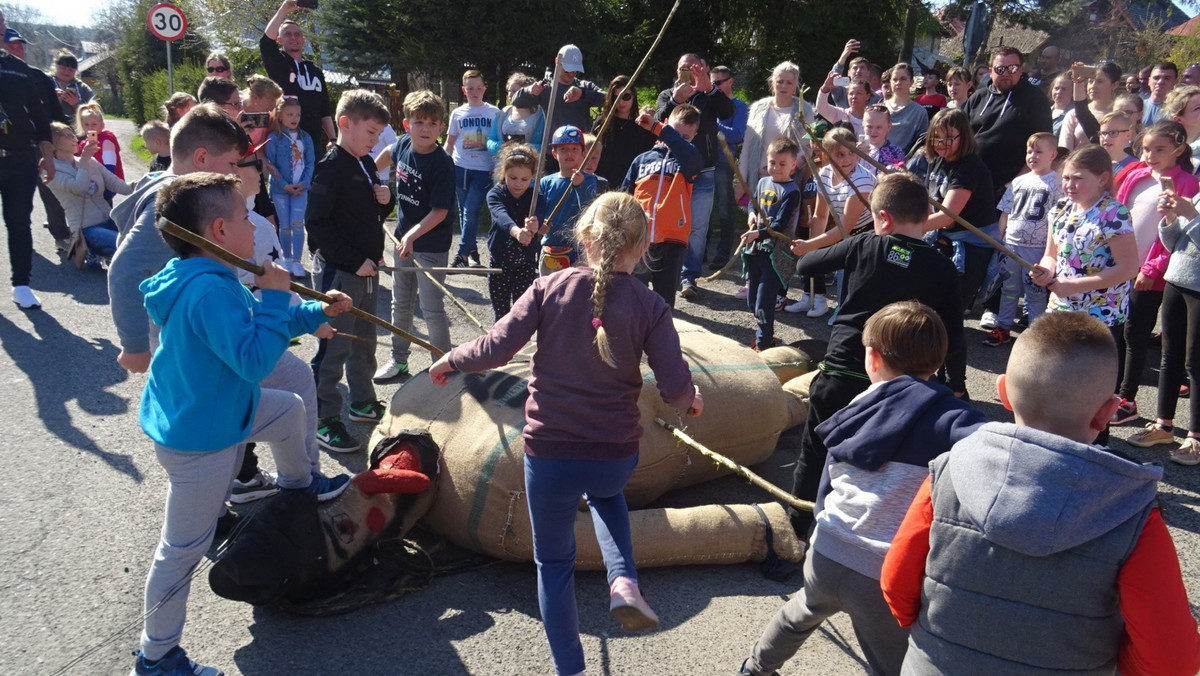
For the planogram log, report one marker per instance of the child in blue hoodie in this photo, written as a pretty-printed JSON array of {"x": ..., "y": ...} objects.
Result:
[
  {"x": 202, "y": 400},
  {"x": 879, "y": 450}
]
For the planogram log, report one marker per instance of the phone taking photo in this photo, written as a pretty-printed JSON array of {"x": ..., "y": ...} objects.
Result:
[
  {"x": 257, "y": 120},
  {"x": 307, "y": 4},
  {"x": 1167, "y": 183},
  {"x": 685, "y": 76}
]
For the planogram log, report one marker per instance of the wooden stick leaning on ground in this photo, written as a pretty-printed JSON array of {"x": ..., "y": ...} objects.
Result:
[
  {"x": 758, "y": 211},
  {"x": 449, "y": 271},
  {"x": 998, "y": 246},
  {"x": 738, "y": 469},
  {"x": 440, "y": 287},
  {"x": 546, "y": 134},
  {"x": 612, "y": 111},
  {"x": 196, "y": 240}
]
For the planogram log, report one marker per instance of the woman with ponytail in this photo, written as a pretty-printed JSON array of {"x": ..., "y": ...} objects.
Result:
[{"x": 593, "y": 325}]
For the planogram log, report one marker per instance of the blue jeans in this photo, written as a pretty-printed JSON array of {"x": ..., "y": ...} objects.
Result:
[
  {"x": 552, "y": 489},
  {"x": 702, "y": 204},
  {"x": 289, "y": 212},
  {"x": 471, "y": 186},
  {"x": 762, "y": 285},
  {"x": 101, "y": 238},
  {"x": 724, "y": 206}
]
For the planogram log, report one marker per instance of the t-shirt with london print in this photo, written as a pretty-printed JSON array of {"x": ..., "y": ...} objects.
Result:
[{"x": 471, "y": 126}]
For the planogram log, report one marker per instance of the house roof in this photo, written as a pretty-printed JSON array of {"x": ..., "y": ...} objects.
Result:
[{"x": 1189, "y": 27}]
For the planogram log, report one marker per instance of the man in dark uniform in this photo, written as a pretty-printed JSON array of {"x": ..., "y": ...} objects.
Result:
[{"x": 24, "y": 136}]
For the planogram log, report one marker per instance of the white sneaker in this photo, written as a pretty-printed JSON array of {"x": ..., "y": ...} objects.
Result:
[
  {"x": 24, "y": 298},
  {"x": 298, "y": 269},
  {"x": 391, "y": 369},
  {"x": 742, "y": 293},
  {"x": 802, "y": 305},
  {"x": 988, "y": 321},
  {"x": 819, "y": 307}
]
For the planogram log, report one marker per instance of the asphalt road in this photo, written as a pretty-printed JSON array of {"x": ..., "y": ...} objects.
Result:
[{"x": 82, "y": 497}]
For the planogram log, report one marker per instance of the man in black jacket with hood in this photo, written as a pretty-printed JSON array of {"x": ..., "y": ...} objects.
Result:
[{"x": 1006, "y": 113}]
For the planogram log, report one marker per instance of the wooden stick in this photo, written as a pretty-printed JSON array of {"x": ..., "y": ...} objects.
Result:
[
  {"x": 608, "y": 118},
  {"x": 861, "y": 198},
  {"x": 220, "y": 252},
  {"x": 339, "y": 334},
  {"x": 957, "y": 219},
  {"x": 448, "y": 271},
  {"x": 546, "y": 134},
  {"x": 812, "y": 167},
  {"x": 738, "y": 469},
  {"x": 440, "y": 287}
]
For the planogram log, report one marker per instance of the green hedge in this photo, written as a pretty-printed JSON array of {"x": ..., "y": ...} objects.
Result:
[{"x": 146, "y": 94}]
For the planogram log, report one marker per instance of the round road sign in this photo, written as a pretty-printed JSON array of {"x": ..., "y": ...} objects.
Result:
[{"x": 166, "y": 22}]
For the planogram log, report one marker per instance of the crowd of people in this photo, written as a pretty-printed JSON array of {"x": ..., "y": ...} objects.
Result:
[{"x": 1058, "y": 200}]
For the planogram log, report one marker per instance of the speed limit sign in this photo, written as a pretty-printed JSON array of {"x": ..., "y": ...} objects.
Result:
[{"x": 166, "y": 22}]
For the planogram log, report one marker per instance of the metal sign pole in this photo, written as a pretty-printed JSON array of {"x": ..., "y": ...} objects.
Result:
[{"x": 170, "y": 71}]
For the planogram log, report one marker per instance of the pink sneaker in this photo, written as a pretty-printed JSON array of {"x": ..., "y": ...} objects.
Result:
[{"x": 627, "y": 605}]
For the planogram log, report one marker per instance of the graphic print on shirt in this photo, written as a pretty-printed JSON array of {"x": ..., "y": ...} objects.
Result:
[
  {"x": 302, "y": 76},
  {"x": 412, "y": 178},
  {"x": 474, "y": 132}
]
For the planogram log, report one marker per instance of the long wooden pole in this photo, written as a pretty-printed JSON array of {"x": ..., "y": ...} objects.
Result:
[
  {"x": 547, "y": 132},
  {"x": 222, "y": 253},
  {"x": 440, "y": 287},
  {"x": 738, "y": 469}
]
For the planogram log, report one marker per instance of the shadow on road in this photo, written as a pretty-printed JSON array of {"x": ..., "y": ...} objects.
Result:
[{"x": 63, "y": 367}]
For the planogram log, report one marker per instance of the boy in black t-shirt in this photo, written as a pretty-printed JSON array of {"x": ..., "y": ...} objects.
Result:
[
  {"x": 891, "y": 264},
  {"x": 425, "y": 190}
]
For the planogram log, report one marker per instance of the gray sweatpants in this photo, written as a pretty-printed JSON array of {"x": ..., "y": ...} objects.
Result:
[
  {"x": 196, "y": 497},
  {"x": 355, "y": 357},
  {"x": 830, "y": 588},
  {"x": 409, "y": 288},
  {"x": 293, "y": 374}
]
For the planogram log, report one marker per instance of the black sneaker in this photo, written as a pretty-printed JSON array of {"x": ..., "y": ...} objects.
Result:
[
  {"x": 1126, "y": 412},
  {"x": 332, "y": 436},
  {"x": 367, "y": 411},
  {"x": 474, "y": 257},
  {"x": 460, "y": 262},
  {"x": 997, "y": 337}
]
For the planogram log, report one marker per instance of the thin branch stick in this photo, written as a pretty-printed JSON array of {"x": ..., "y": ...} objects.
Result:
[
  {"x": 546, "y": 134},
  {"x": 339, "y": 334},
  {"x": 448, "y": 271},
  {"x": 738, "y": 469},
  {"x": 861, "y": 198},
  {"x": 957, "y": 219},
  {"x": 440, "y": 287},
  {"x": 222, "y": 253},
  {"x": 612, "y": 111}
]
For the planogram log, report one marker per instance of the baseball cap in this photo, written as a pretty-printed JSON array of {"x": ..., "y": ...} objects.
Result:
[
  {"x": 11, "y": 35},
  {"x": 572, "y": 58},
  {"x": 566, "y": 135}
]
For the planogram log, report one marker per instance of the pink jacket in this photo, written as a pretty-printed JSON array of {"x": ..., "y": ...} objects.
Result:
[{"x": 1186, "y": 185}]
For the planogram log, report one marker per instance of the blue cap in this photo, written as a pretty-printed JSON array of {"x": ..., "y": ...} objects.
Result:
[
  {"x": 11, "y": 35},
  {"x": 567, "y": 135}
]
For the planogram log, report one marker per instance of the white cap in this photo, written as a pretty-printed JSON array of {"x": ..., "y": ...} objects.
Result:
[{"x": 571, "y": 59}]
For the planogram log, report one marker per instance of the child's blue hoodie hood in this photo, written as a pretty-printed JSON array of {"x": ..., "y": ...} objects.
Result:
[{"x": 217, "y": 343}]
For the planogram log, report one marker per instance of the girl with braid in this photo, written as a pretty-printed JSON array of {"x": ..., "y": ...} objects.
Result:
[{"x": 593, "y": 325}]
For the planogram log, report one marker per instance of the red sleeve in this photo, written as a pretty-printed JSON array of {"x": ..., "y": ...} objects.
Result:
[
  {"x": 904, "y": 565},
  {"x": 1160, "y": 632}
]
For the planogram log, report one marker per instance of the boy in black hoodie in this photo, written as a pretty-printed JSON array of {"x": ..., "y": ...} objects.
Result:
[
  {"x": 880, "y": 447},
  {"x": 344, "y": 220},
  {"x": 885, "y": 266}
]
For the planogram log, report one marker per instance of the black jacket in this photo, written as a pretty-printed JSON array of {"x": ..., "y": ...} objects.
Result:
[
  {"x": 713, "y": 106},
  {"x": 21, "y": 98},
  {"x": 344, "y": 221},
  {"x": 1002, "y": 123}
]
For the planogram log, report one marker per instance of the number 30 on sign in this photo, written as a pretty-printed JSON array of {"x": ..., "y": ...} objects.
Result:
[{"x": 166, "y": 22}]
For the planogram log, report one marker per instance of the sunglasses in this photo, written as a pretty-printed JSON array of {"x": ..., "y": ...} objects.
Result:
[
  {"x": 1009, "y": 69},
  {"x": 252, "y": 162},
  {"x": 217, "y": 69},
  {"x": 945, "y": 141},
  {"x": 718, "y": 83}
]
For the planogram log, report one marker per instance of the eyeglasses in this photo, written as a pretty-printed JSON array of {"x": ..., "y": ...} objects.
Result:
[
  {"x": 290, "y": 97},
  {"x": 1010, "y": 69},
  {"x": 252, "y": 162},
  {"x": 626, "y": 96},
  {"x": 1112, "y": 132},
  {"x": 217, "y": 69},
  {"x": 236, "y": 105},
  {"x": 946, "y": 140},
  {"x": 718, "y": 83}
]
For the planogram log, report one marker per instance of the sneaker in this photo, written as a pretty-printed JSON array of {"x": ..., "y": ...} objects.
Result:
[
  {"x": 332, "y": 436},
  {"x": 819, "y": 307},
  {"x": 325, "y": 487},
  {"x": 367, "y": 411},
  {"x": 780, "y": 303},
  {"x": 174, "y": 663},
  {"x": 392, "y": 369},
  {"x": 754, "y": 344},
  {"x": 802, "y": 305},
  {"x": 1151, "y": 435},
  {"x": 1185, "y": 391},
  {"x": 298, "y": 270},
  {"x": 741, "y": 293},
  {"x": 1126, "y": 412},
  {"x": 997, "y": 337},
  {"x": 627, "y": 605},
  {"x": 1188, "y": 452},
  {"x": 988, "y": 322},
  {"x": 261, "y": 485},
  {"x": 24, "y": 298},
  {"x": 689, "y": 291},
  {"x": 460, "y": 262},
  {"x": 474, "y": 257}
]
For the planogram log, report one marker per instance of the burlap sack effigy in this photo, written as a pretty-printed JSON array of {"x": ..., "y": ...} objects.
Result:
[{"x": 480, "y": 504}]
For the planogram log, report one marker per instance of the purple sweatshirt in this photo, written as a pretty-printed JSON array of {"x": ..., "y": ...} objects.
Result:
[{"x": 580, "y": 408}]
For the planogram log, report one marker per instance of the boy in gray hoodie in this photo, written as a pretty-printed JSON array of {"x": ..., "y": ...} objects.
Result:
[{"x": 879, "y": 450}]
